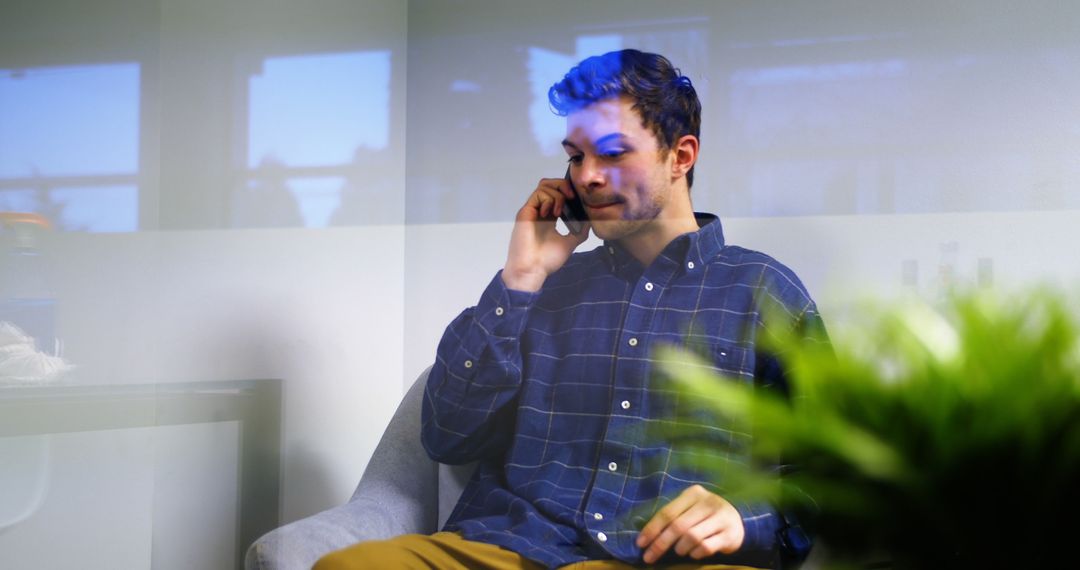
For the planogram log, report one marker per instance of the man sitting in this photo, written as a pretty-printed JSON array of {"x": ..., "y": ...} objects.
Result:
[{"x": 546, "y": 382}]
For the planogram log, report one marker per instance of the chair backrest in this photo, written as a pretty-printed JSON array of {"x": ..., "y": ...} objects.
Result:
[
  {"x": 452, "y": 480},
  {"x": 401, "y": 462}
]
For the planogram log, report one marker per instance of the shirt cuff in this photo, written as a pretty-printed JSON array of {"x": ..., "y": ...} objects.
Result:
[
  {"x": 760, "y": 525},
  {"x": 503, "y": 312}
]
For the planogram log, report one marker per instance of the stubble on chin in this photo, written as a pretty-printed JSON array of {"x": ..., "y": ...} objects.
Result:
[{"x": 614, "y": 230}]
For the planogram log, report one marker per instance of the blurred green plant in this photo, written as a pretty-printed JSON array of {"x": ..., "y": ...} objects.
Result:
[{"x": 945, "y": 437}]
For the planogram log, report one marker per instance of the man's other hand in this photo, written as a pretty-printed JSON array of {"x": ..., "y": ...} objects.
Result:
[
  {"x": 697, "y": 523},
  {"x": 537, "y": 249}
]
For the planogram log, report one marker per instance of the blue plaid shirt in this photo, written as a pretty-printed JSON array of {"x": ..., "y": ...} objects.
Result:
[{"x": 550, "y": 393}]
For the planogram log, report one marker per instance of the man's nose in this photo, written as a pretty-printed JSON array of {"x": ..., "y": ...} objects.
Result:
[{"x": 592, "y": 173}]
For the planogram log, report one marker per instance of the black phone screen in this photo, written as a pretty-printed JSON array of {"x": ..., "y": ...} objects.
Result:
[{"x": 573, "y": 212}]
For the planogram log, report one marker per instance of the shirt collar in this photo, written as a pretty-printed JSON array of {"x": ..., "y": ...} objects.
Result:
[
  {"x": 695, "y": 247},
  {"x": 707, "y": 241}
]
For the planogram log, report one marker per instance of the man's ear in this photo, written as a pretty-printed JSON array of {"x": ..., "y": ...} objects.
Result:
[{"x": 685, "y": 151}]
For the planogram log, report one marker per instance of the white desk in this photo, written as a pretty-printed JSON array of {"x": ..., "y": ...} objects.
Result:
[{"x": 254, "y": 404}]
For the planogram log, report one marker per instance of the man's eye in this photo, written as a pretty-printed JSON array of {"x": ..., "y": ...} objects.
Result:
[
  {"x": 576, "y": 159},
  {"x": 613, "y": 153}
]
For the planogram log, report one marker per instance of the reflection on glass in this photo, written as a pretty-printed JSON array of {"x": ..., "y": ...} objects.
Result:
[
  {"x": 934, "y": 132},
  {"x": 316, "y": 110},
  {"x": 69, "y": 121},
  {"x": 69, "y": 145},
  {"x": 24, "y": 478},
  {"x": 20, "y": 200},
  {"x": 486, "y": 131},
  {"x": 316, "y": 123},
  {"x": 861, "y": 115},
  {"x": 29, "y": 349},
  {"x": 98, "y": 208},
  {"x": 318, "y": 198},
  {"x": 266, "y": 201},
  {"x": 274, "y": 201}
]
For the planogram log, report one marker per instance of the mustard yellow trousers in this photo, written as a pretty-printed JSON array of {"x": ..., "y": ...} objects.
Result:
[{"x": 449, "y": 551}]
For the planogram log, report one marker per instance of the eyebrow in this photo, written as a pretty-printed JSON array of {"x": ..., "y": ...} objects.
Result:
[{"x": 600, "y": 141}]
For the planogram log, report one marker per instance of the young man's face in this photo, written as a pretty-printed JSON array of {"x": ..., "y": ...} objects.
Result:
[{"x": 617, "y": 165}]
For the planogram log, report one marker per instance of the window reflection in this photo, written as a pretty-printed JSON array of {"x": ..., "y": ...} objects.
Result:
[
  {"x": 21, "y": 200},
  {"x": 318, "y": 130},
  {"x": 926, "y": 133},
  {"x": 69, "y": 145},
  {"x": 97, "y": 208},
  {"x": 29, "y": 348}
]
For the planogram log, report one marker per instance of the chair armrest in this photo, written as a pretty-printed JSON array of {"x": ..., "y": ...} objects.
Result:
[
  {"x": 398, "y": 494},
  {"x": 299, "y": 544}
]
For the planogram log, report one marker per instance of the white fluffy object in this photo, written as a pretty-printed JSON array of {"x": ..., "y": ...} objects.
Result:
[{"x": 20, "y": 363}]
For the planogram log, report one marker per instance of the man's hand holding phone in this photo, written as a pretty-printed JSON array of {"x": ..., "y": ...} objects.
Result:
[{"x": 537, "y": 249}]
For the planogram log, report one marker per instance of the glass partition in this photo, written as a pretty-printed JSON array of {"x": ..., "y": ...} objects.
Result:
[
  {"x": 193, "y": 199},
  {"x": 303, "y": 195},
  {"x": 876, "y": 149}
]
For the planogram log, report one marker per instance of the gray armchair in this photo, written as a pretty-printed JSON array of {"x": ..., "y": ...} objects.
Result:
[{"x": 402, "y": 491}]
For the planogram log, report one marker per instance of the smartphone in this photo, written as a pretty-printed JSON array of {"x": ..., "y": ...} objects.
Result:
[{"x": 573, "y": 211}]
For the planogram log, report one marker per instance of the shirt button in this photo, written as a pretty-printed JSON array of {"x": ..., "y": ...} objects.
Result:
[
  {"x": 648, "y": 286},
  {"x": 611, "y": 250},
  {"x": 601, "y": 537},
  {"x": 689, "y": 264},
  {"x": 612, "y": 466},
  {"x": 625, "y": 404},
  {"x": 499, "y": 311},
  {"x": 468, "y": 364},
  {"x": 598, "y": 516},
  {"x": 632, "y": 342}
]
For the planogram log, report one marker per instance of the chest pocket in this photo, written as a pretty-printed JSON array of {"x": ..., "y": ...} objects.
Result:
[
  {"x": 734, "y": 362},
  {"x": 695, "y": 427}
]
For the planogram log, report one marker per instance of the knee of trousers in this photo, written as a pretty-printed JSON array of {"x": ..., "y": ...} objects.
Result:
[{"x": 397, "y": 552}]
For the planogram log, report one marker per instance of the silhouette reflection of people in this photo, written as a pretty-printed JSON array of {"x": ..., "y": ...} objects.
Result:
[
  {"x": 368, "y": 196},
  {"x": 265, "y": 201}
]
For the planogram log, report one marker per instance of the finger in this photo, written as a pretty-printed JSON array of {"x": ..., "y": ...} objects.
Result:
[
  {"x": 711, "y": 524},
  {"x": 559, "y": 185},
  {"x": 539, "y": 202},
  {"x": 663, "y": 518},
  {"x": 722, "y": 542},
  {"x": 675, "y": 531},
  {"x": 552, "y": 201}
]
